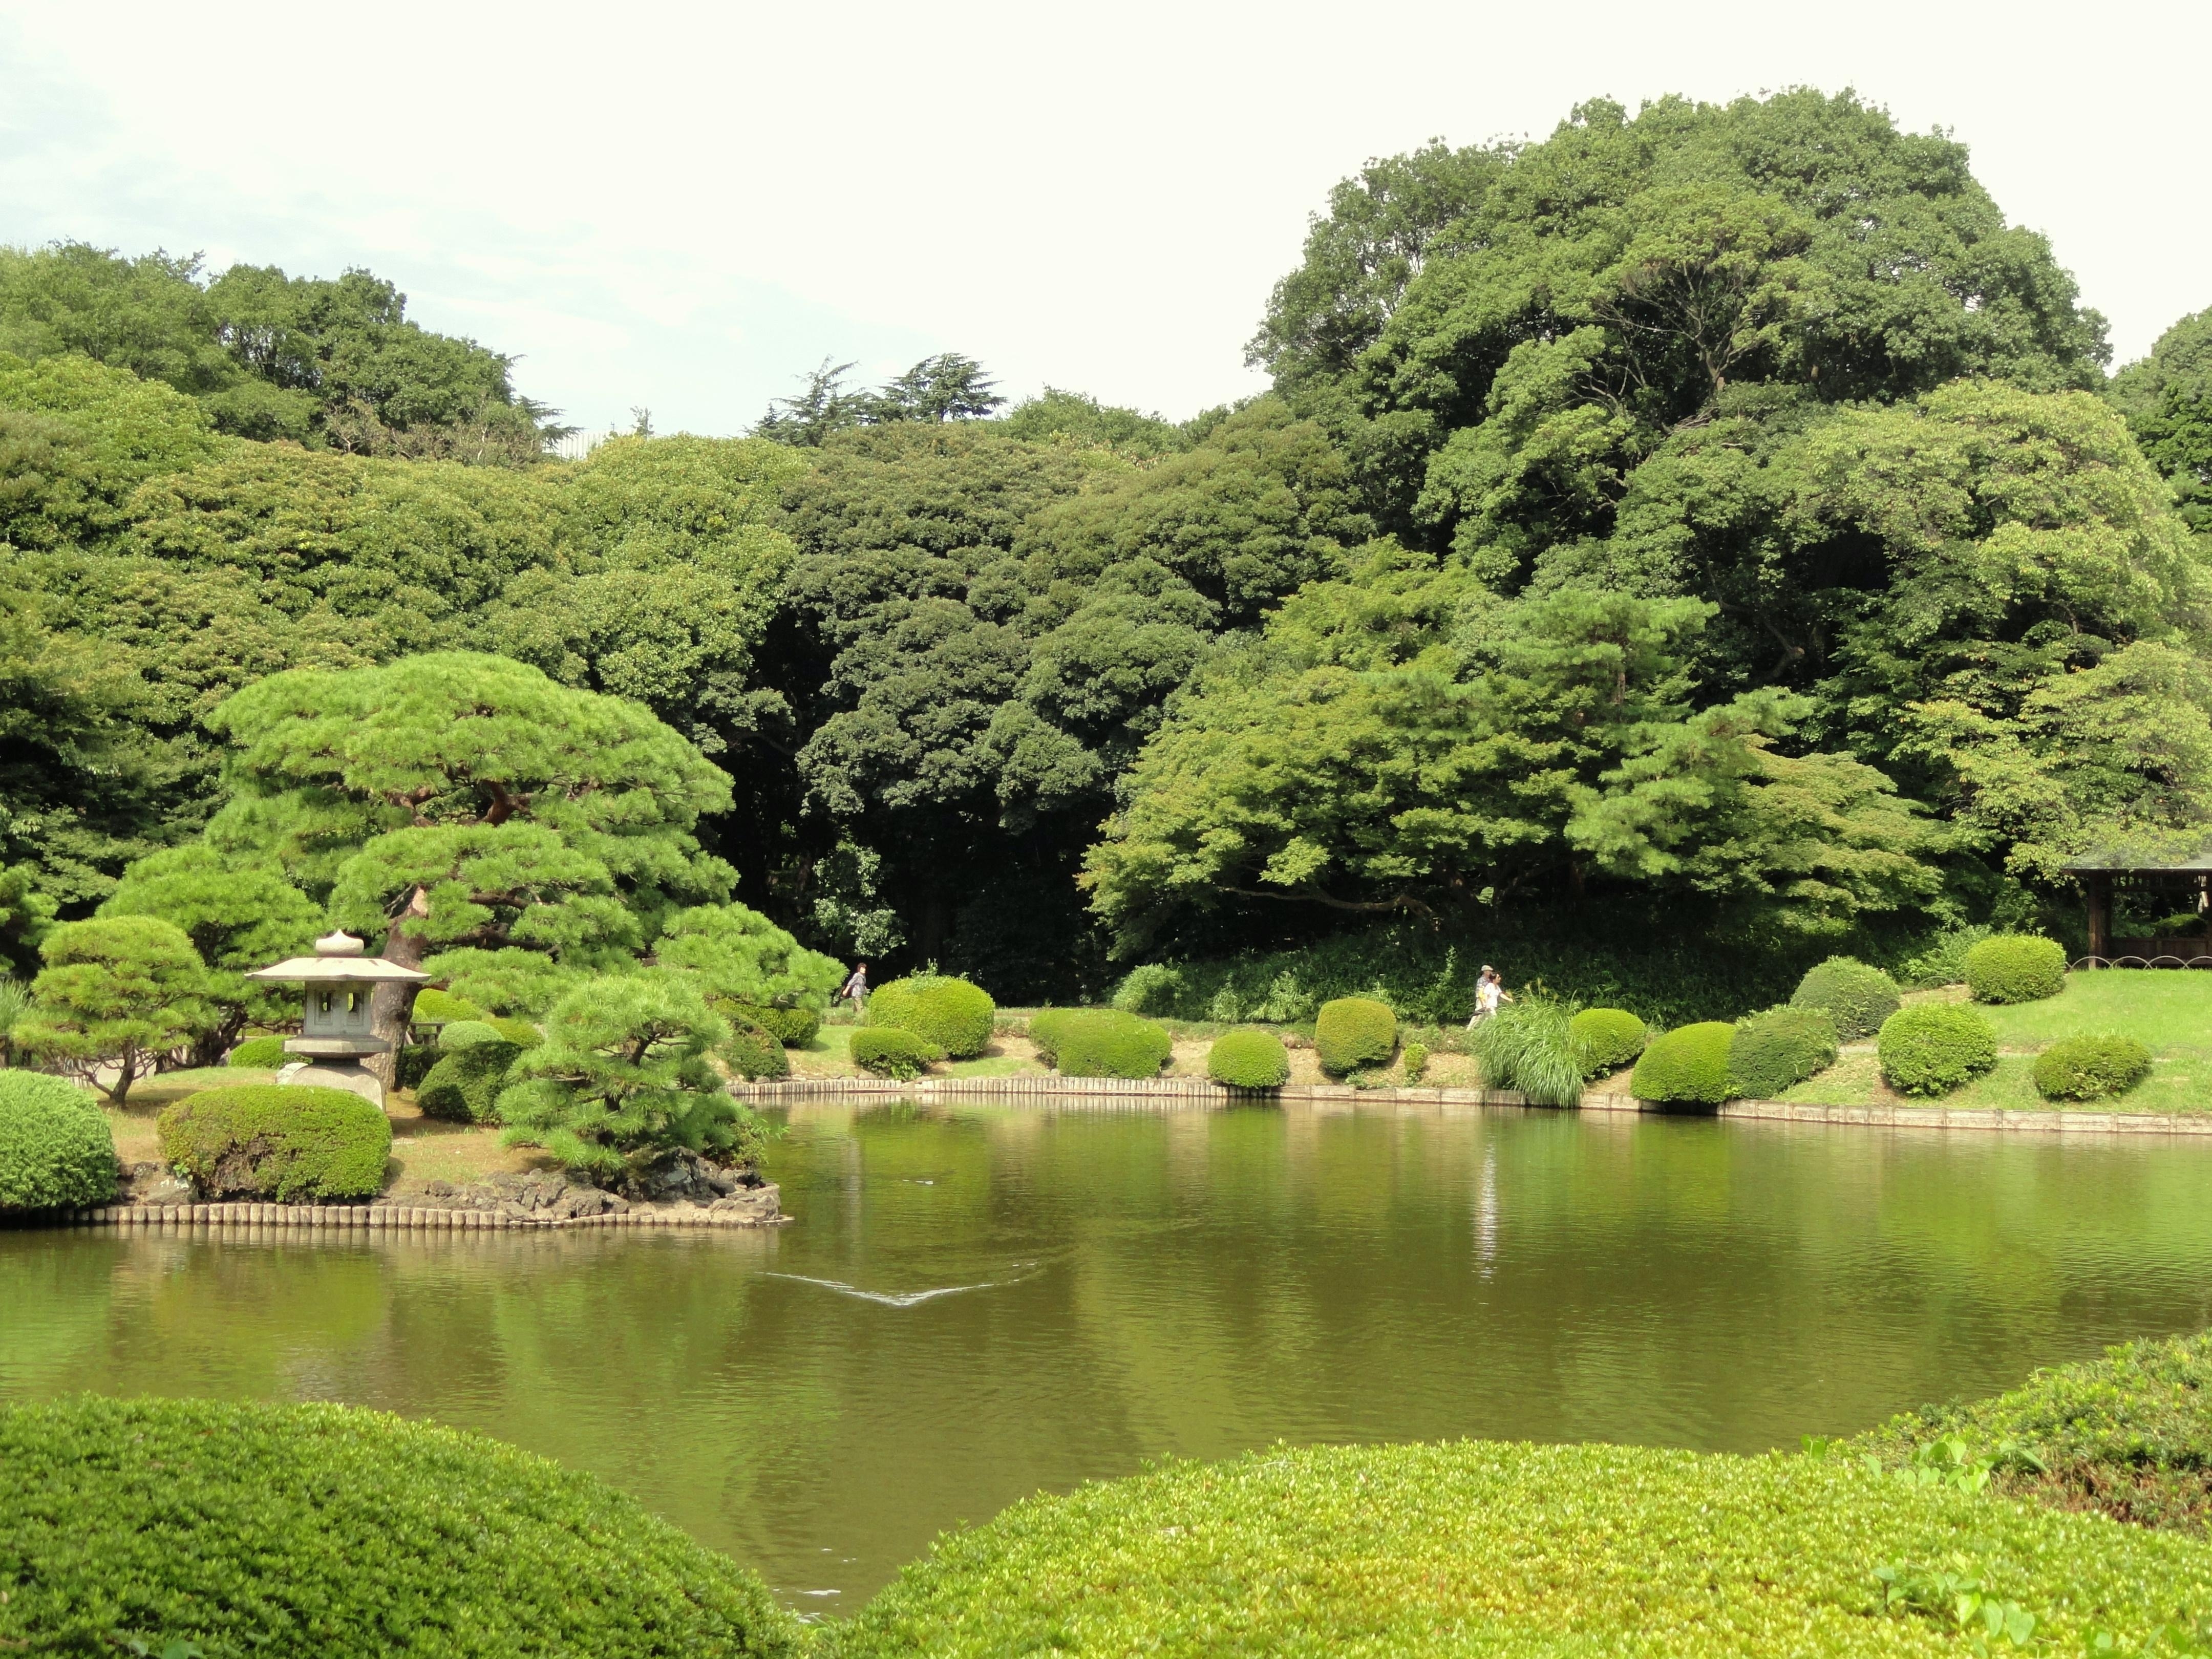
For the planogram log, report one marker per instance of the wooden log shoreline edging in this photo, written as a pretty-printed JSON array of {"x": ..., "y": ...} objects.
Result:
[
  {"x": 1171, "y": 1091},
  {"x": 385, "y": 1218}
]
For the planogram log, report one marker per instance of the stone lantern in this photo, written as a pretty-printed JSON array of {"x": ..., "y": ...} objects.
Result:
[{"x": 335, "y": 1037}]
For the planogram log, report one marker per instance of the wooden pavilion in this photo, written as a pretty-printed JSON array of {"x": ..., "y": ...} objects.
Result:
[{"x": 2184, "y": 884}]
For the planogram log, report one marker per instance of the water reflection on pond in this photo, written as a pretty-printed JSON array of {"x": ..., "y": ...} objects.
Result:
[{"x": 977, "y": 1302}]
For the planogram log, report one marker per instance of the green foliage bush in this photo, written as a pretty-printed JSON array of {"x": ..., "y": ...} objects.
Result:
[
  {"x": 1415, "y": 1060},
  {"x": 948, "y": 1013},
  {"x": 892, "y": 1051},
  {"x": 1608, "y": 1038},
  {"x": 794, "y": 1028},
  {"x": 265, "y": 1140},
  {"x": 1687, "y": 1067},
  {"x": 1248, "y": 1060},
  {"x": 1421, "y": 1551},
  {"x": 436, "y": 1007},
  {"x": 413, "y": 1063},
  {"x": 2129, "y": 1434},
  {"x": 260, "y": 1053},
  {"x": 2017, "y": 968},
  {"x": 56, "y": 1149},
  {"x": 1942, "y": 961},
  {"x": 2091, "y": 1066},
  {"x": 1529, "y": 1046},
  {"x": 1779, "y": 1049},
  {"x": 1856, "y": 997},
  {"x": 468, "y": 1033},
  {"x": 170, "y": 1525},
  {"x": 1354, "y": 1031},
  {"x": 1107, "y": 1042},
  {"x": 1151, "y": 989},
  {"x": 1932, "y": 1048},
  {"x": 1045, "y": 1029},
  {"x": 464, "y": 1086},
  {"x": 754, "y": 1053}
]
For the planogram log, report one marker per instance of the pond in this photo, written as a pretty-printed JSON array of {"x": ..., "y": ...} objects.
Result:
[{"x": 977, "y": 1302}]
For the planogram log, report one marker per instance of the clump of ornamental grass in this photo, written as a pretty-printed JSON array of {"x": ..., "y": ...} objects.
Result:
[{"x": 1529, "y": 1046}]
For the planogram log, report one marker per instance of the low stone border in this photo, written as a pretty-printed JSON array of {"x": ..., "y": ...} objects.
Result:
[
  {"x": 1175, "y": 1091},
  {"x": 390, "y": 1217}
]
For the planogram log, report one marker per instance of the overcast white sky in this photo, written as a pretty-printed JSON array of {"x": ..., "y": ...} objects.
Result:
[{"x": 683, "y": 206}]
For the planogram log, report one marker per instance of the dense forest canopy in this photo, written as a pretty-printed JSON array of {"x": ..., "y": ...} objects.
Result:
[{"x": 1719, "y": 508}]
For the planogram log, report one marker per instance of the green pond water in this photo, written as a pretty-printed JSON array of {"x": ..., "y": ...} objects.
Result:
[{"x": 976, "y": 1303}]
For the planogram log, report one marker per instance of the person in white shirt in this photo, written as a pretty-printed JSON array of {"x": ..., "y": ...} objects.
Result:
[{"x": 1489, "y": 991}]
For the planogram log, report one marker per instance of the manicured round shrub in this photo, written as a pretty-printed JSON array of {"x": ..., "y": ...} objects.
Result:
[
  {"x": 950, "y": 1013},
  {"x": 521, "y": 1032},
  {"x": 1154, "y": 988},
  {"x": 1686, "y": 1066},
  {"x": 260, "y": 1053},
  {"x": 1106, "y": 1042},
  {"x": 1607, "y": 1038},
  {"x": 467, "y": 1033},
  {"x": 1046, "y": 1028},
  {"x": 753, "y": 1053},
  {"x": 888, "y": 1051},
  {"x": 1513, "y": 1551},
  {"x": 1779, "y": 1049},
  {"x": 269, "y": 1141},
  {"x": 464, "y": 1086},
  {"x": 56, "y": 1150},
  {"x": 2017, "y": 968},
  {"x": 1248, "y": 1060},
  {"x": 2090, "y": 1067},
  {"x": 1856, "y": 997},
  {"x": 1932, "y": 1048},
  {"x": 794, "y": 1028},
  {"x": 436, "y": 1007},
  {"x": 1415, "y": 1059},
  {"x": 1354, "y": 1031},
  {"x": 190, "y": 1525}
]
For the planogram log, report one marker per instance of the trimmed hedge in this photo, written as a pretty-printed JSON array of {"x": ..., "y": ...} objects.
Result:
[
  {"x": 1248, "y": 1060},
  {"x": 888, "y": 1051},
  {"x": 1415, "y": 1060},
  {"x": 56, "y": 1149},
  {"x": 1513, "y": 1551},
  {"x": 1045, "y": 1027},
  {"x": 1687, "y": 1067},
  {"x": 1107, "y": 1042},
  {"x": 414, "y": 1062},
  {"x": 1932, "y": 1048},
  {"x": 1354, "y": 1031},
  {"x": 468, "y": 1033},
  {"x": 143, "y": 1525},
  {"x": 1779, "y": 1049},
  {"x": 2091, "y": 1066},
  {"x": 1607, "y": 1038},
  {"x": 1856, "y": 997},
  {"x": 464, "y": 1086},
  {"x": 261, "y": 1053},
  {"x": 947, "y": 1013},
  {"x": 269, "y": 1141},
  {"x": 794, "y": 1028},
  {"x": 2017, "y": 968},
  {"x": 754, "y": 1053},
  {"x": 436, "y": 1007},
  {"x": 2129, "y": 1434}
]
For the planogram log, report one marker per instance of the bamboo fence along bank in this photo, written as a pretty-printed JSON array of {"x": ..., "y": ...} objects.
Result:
[{"x": 1165, "y": 1092}]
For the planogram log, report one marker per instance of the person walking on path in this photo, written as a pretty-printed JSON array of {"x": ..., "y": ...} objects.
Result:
[
  {"x": 855, "y": 990},
  {"x": 1489, "y": 991}
]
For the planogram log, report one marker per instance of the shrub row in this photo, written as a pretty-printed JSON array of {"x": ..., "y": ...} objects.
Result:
[{"x": 186, "y": 1526}]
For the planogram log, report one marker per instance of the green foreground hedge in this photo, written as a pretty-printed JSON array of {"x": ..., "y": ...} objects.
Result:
[
  {"x": 341, "y": 1533},
  {"x": 1505, "y": 1551}
]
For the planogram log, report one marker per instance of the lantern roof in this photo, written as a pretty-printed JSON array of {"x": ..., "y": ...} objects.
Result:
[{"x": 339, "y": 956}]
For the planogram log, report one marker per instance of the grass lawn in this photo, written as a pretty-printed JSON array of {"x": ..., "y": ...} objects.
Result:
[{"x": 2169, "y": 1012}]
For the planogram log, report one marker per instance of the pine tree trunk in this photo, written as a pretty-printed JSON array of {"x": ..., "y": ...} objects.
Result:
[{"x": 392, "y": 1007}]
